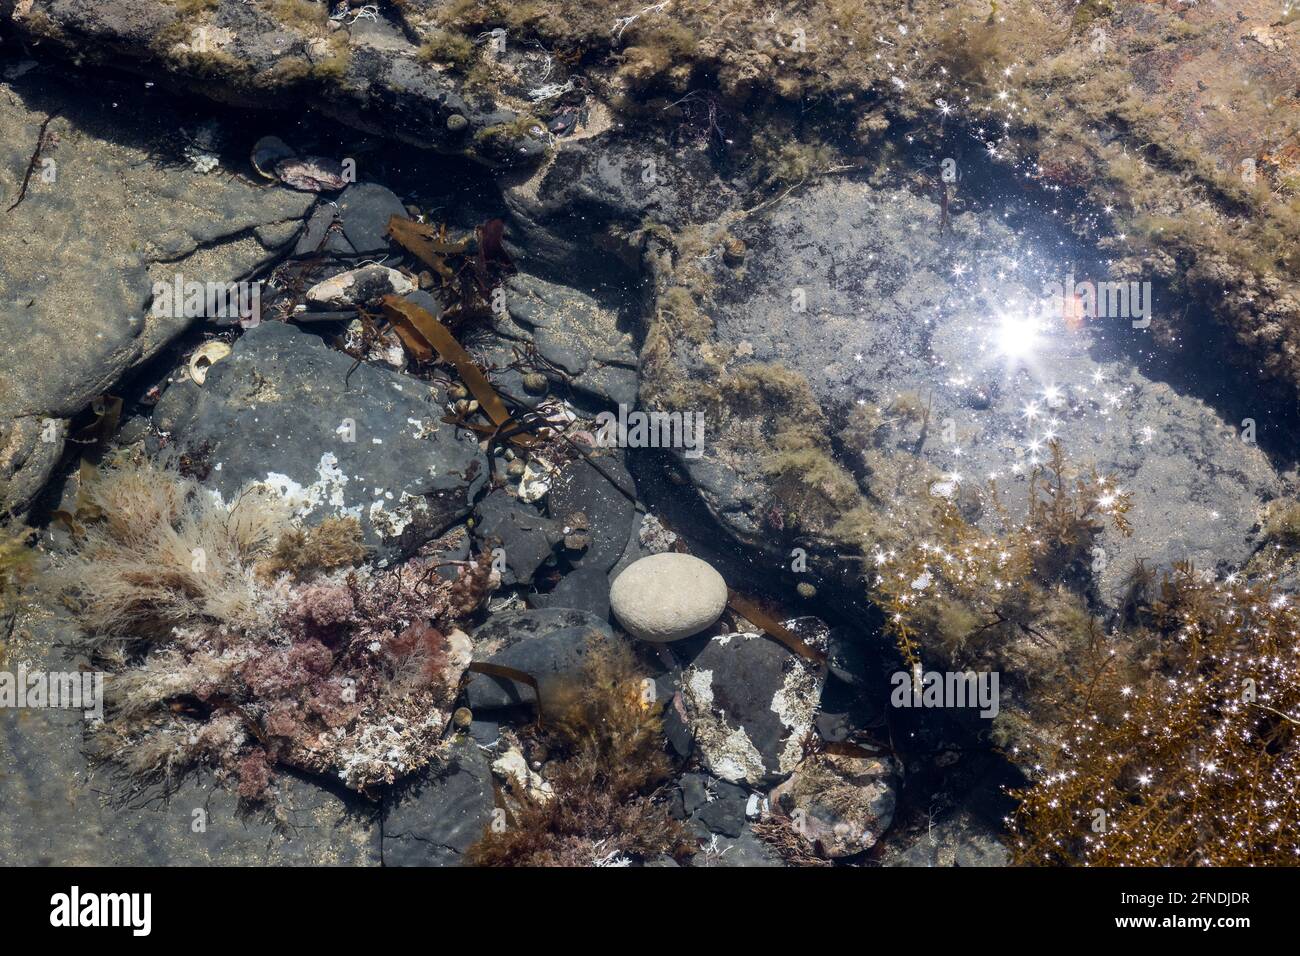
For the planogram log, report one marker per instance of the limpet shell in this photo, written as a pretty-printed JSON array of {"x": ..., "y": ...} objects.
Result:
[{"x": 204, "y": 357}]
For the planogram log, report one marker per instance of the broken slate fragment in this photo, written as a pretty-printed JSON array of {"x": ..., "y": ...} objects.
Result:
[
  {"x": 714, "y": 806},
  {"x": 365, "y": 209},
  {"x": 319, "y": 238},
  {"x": 526, "y": 538},
  {"x": 583, "y": 589},
  {"x": 580, "y": 487}
]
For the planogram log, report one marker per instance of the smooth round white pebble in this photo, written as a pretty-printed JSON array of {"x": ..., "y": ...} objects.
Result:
[{"x": 667, "y": 597}]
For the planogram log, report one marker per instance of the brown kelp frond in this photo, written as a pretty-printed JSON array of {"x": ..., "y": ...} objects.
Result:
[
  {"x": 1192, "y": 764},
  {"x": 604, "y": 805}
]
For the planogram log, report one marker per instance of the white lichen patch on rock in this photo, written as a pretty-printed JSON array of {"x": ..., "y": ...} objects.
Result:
[
  {"x": 751, "y": 708},
  {"x": 512, "y": 768},
  {"x": 326, "y": 490},
  {"x": 390, "y": 522},
  {"x": 795, "y": 703}
]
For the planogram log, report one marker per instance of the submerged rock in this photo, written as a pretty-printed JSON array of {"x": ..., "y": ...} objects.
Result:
[
  {"x": 713, "y": 806},
  {"x": 86, "y": 313},
  {"x": 542, "y": 643},
  {"x": 364, "y": 210},
  {"x": 852, "y": 308},
  {"x": 583, "y": 589},
  {"x": 282, "y": 411},
  {"x": 580, "y": 487},
  {"x": 434, "y": 819},
  {"x": 958, "y": 839},
  {"x": 750, "y": 703},
  {"x": 526, "y": 538},
  {"x": 839, "y": 805},
  {"x": 666, "y": 597},
  {"x": 584, "y": 341}
]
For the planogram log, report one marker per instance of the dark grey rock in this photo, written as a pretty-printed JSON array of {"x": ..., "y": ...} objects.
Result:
[
  {"x": 586, "y": 342},
  {"x": 749, "y": 701},
  {"x": 319, "y": 238},
  {"x": 526, "y": 536},
  {"x": 867, "y": 263},
  {"x": 743, "y": 851},
  {"x": 378, "y": 84},
  {"x": 84, "y": 315},
  {"x": 365, "y": 209},
  {"x": 584, "y": 589},
  {"x": 714, "y": 806},
  {"x": 610, "y": 179},
  {"x": 848, "y": 656},
  {"x": 580, "y": 487},
  {"x": 960, "y": 839},
  {"x": 542, "y": 643},
  {"x": 433, "y": 820},
  {"x": 485, "y": 732},
  {"x": 278, "y": 411}
]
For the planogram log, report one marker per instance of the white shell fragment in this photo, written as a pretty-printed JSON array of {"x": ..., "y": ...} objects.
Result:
[
  {"x": 204, "y": 357},
  {"x": 536, "y": 480},
  {"x": 356, "y": 286}
]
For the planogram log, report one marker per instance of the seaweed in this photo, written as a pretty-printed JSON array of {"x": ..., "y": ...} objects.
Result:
[
  {"x": 239, "y": 641},
  {"x": 17, "y": 565},
  {"x": 443, "y": 46},
  {"x": 424, "y": 336},
  {"x": 1190, "y": 761},
  {"x": 305, "y": 552},
  {"x": 606, "y": 780}
]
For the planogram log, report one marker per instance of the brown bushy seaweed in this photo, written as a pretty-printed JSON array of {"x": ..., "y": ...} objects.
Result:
[
  {"x": 1195, "y": 761},
  {"x": 239, "y": 641},
  {"x": 17, "y": 566},
  {"x": 605, "y": 802}
]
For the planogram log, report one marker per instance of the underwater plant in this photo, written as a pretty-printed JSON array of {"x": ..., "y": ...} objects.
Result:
[
  {"x": 238, "y": 640},
  {"x": 605, "y": 800},
  {"x": 1195, "y": 762},
  {"x": 971, "y": 587},
  {"x": 17, "y": 565}
]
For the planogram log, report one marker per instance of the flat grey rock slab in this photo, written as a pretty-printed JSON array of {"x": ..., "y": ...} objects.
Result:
[
  {"x": 283, "y": 410},
  {"x": 80, "y": 255},
  {"x": 434, "y": 819}
]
